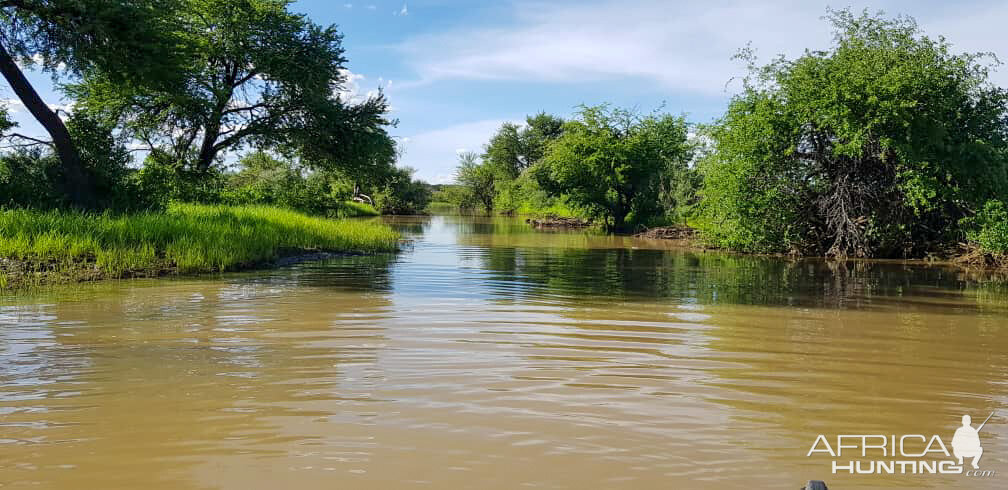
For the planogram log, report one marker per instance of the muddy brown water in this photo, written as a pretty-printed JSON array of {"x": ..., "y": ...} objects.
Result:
[{"x": 489, "y": 355}]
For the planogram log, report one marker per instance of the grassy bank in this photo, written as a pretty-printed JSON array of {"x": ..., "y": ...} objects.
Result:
[
  {"x": 55, "y": 246},
  {"x": 557, "y": 208},
  {"x": 353, "y": 209}
]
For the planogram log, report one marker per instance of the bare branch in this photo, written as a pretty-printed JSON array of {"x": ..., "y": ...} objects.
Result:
[{"x": 34, "y": 141}]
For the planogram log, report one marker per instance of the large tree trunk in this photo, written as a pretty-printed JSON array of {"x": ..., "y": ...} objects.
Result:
[
  {"x": 75, "y": 181},
  {"x": 208, "y": 152},
  {"x": 211, "y": 132}
]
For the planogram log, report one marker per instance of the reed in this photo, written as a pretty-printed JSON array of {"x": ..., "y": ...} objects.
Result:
[{"x": 186, "y": 238}]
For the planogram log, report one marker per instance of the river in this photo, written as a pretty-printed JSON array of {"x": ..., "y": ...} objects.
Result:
[{"x": 490, "y": 355}]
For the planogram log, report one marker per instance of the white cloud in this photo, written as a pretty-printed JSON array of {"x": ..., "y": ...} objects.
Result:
[
  {"x": 404, "y": 11},
  {"x": 685, "y": 47},
  {"x": 36, "y": 62},
  {"x": 348, "y": 5},
  {"x": 435, "y": 153},
  {"x": 371, "y": 7},
  {"x": 62, "y": 109},
  {"x": 12, "y": 105},
  {"x": 353, "y": 90}
]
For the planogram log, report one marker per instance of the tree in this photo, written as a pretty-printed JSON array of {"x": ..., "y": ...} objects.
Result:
[
  {"x": 269, "y": 179},
  {"x": 478, "y": 180},
  {"x": 402, "y": 194},
  {"x": 515, "y": 148},
  {"x": 263, "y": 76},
  {"x": 608, "y": 161},
  {"x": 878, "y": 146},
  {"x": 130, "y": 42}
]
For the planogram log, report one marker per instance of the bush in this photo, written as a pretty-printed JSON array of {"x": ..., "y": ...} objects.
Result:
[
  {"x": 402, "y": 195},
  {"x": 29, "y": 177},
  {"x": 164, "y": 180},
  {"x": 877, "y": 147},
  {"x": 988, "y": 229},
  {"x": 611, "y": 163},
  {"x": 26, "y": 180}
]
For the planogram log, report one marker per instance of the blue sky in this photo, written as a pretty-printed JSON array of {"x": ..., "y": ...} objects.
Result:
[{"x": 455, "y": 70}]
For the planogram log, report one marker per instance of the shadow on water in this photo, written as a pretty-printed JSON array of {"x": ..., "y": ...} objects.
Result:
[{"x": 586, "y": 264}]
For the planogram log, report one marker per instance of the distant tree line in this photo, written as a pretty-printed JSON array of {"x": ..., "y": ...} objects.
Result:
[
  {"x": 888, "y": 144},
  {"x": 190, "y": 85}
]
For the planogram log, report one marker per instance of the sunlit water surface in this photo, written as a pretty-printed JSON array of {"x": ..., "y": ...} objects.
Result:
[{"x": 490, "y": 355}]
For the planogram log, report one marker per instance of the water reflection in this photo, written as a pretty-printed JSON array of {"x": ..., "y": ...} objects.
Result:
[{"x": 490, "y": 354}]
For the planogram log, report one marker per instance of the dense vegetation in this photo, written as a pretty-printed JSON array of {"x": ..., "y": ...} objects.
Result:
[
  {"x": 888, "y": 144},
  {"x": 606, "y": 164},
  {"x": 614, "y": 164},
  {"x": 235, "y": 104},
  {"x": 877, "y": 147},
  {"x": 192, "y": 85},
  {"x": 60, "y": 245}
]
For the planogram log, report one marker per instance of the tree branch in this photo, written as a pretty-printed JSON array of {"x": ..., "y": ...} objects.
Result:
[{"x": 34, "y": 141}]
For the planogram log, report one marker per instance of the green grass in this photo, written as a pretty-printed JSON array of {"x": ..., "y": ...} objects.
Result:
[
  {"x": 442, "y": 207},
  {"x": 558, "y": 208},
  {"x": 186, "y": 238},
  {"x": 354, "y": 209}
]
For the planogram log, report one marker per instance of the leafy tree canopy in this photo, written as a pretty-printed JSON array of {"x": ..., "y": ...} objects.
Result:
[
  {"x": 130, "y": 42},
  {"x": 514, "y": 148},
  {"x": 477, "y": 178},
  {"x": 262, "y": 76},
  {"x": 608, "y": 161},
  {"x": 877, "y": 146}
]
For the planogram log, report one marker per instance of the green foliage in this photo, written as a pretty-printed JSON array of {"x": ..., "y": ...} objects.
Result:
[
  {"x": 514, "y": 148},
  {"x": 5, "y": 121},
  {"x": 186, "y": 238},
  {"x": 988, "y": 229},
  {"x": 26, "y": 180},
  {"x": 266, "y": 179},
  {"x": 131, "y": 41},
  {"x": 352, "y": 209},
  {"x": 401, "y": 194},
  {"x": 106, "y": 158},
  {"x": 452, "y": 194},
  {"x": 164, "y": 180},
  {"x": 29, "y": 176},
  {"x": 259, "y": 75},
  {"x": 609, "y": 162},
  {"x": 477, "y": 179},
  {"x": 526, "y": 197},
  {"x": 877, "y": 147}
]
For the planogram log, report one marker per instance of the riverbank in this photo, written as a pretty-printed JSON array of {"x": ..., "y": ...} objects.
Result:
[
  {"x": 39, "y": 248},
  {"x": 969, "y": 258},
  {"x": 354, "y": 209}
]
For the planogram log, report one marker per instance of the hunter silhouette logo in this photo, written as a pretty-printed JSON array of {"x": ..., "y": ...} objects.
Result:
[
  {"x": 966, "y": 441},
  {"x": 906, "y": 454}
]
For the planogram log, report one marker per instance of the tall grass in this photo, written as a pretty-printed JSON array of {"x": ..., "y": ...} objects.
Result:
[
  {"x": 557, "y": 208},
  {"x": 186, "y": 238},
  {"x": 353, "y": 209}
]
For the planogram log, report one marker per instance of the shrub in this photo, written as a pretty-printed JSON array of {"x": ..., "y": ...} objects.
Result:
[
  {"x": 877, "y": 147},
  {"x": 29, "y": 177},
  {"x": 988, "y": 229},
  {"x": 163, "y": 180},
  {"x": 402, "y": 195}
]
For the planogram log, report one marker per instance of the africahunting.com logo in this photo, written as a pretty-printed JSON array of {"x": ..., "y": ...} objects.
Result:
[{"x": 909, "y": 454}]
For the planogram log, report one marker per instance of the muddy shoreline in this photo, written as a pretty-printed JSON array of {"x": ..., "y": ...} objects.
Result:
[{"x": 21, "y": 274}]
